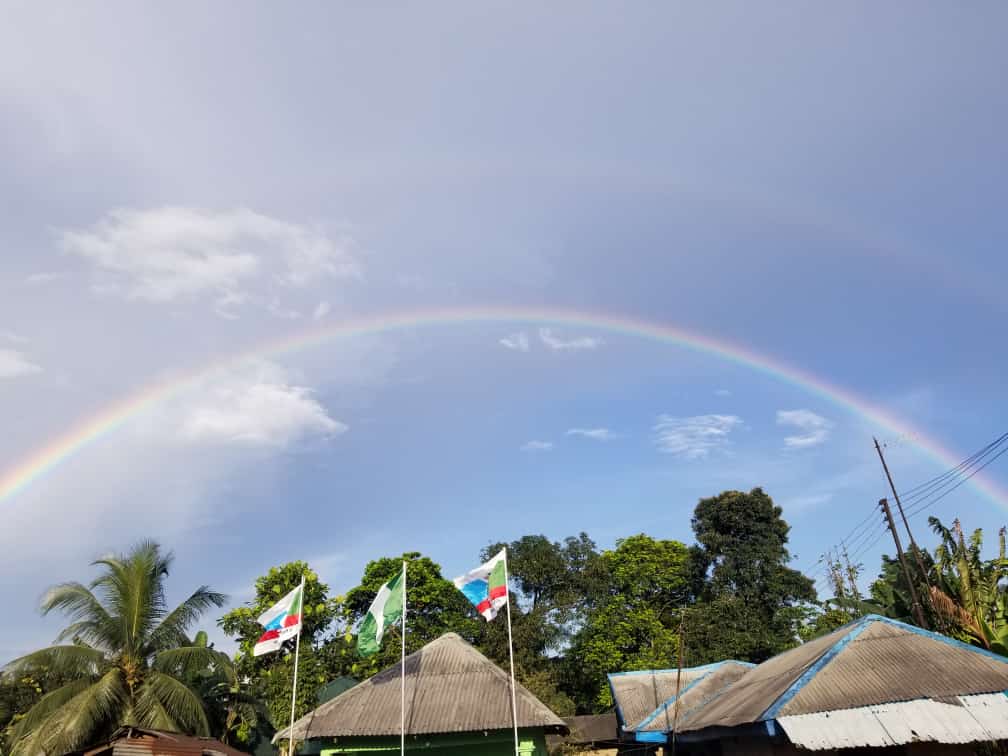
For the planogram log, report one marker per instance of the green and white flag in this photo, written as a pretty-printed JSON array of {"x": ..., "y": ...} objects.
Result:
[{"x": 386, "y": 610}]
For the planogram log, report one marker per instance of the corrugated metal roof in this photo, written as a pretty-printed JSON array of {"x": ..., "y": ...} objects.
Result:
[
  {"x": 752, "y": 694},
  {"x": 872, "y": 661},
  {"x": 970, "y": 719},
  {"x": 134, "y": 741},
  {"x": 639, "y": 694},
  {"x": 450, "y": 687},
  {"x": 694, "y": 696},
  {"x": 890, "y": 663}
]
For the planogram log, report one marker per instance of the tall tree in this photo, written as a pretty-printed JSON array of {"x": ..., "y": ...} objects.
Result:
[
  {"x": 272, "y": 675},
  {"x": 433, "y": 607},
  {"x": 634, "y": 623},
  {"x": 122, "y": 664},
  {"x": 554, "y": 584},
  {"x": 743, "y": 557}
]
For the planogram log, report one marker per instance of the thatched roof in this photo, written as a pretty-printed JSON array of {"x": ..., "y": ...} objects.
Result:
[{"x": 450, "y": 687}]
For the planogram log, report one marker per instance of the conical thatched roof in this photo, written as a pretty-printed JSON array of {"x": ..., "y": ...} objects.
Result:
[{"x": 450, "y": 687}]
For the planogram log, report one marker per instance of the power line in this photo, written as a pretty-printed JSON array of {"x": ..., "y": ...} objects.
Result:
[{"x": 931, "y": 502}]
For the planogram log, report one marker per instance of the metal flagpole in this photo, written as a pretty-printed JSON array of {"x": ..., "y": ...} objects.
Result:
[
  {"x": 402, "y": 674},
  {"x": 514, "y": 705},
  {"x": 297, "y": 652}
]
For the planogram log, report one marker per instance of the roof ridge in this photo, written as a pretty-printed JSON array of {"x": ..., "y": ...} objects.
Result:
[{"x": 857, "y": 627}]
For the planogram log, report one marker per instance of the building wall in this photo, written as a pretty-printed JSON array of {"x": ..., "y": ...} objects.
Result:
[{"x": 494, "y": 743}]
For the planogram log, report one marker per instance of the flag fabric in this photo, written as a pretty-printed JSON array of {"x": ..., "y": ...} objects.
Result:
[
  {"x": 281, "y": 621},
  {"x": 385, "y": 611},
  {"x": 486, "y": 586}
]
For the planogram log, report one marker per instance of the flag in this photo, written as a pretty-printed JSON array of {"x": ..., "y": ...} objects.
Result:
[
  {"x": 385, "y": 610},
  {"x": 282, "y": 621},
  {"x": 486, "y": 586}
]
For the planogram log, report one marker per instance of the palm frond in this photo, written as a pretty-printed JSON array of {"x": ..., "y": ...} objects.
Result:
[
  {"x": 172, "y": 630},
  {"x": 62, "y": 662},
  {"x": 80, "y": 720},
  {"x": 188, "y": 660},
  {"x": 181, "y": 702},
  {"x": 87, "y": 612},
  {"x": 46, "y": 705}
]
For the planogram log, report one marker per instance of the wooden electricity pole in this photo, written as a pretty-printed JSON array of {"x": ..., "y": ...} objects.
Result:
[
  {"x": 918, "y": 612},
  {"x": 899, "y": 506}
]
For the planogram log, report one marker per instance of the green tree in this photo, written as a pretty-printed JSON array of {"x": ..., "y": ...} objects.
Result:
[
  {"x": 121, "y": 666},
  {"x": 272, "y": 675},
  {"x": 742, "y": 553},
  {"x": 554, "y": 584},
  {"x": 635, "y": 622},
  {"x": 433, "y": 607}
]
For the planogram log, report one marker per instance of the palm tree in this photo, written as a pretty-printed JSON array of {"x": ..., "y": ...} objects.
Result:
[{"x": 124, "y": 661}]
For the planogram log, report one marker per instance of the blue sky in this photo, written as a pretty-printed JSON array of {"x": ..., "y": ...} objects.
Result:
[{"x": 821, "y": 185}]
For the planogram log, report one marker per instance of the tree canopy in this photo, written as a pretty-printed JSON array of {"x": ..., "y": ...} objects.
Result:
[{"x": 126, "y": 662}]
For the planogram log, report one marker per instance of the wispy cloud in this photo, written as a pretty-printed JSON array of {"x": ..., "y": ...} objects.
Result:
[
  {"x": 14, "y": 364},
  {"x": 164, "y": 254},
  {"x": 693, "y": 437},
  {"x": 537, "y": 446},
  {"x": 321, "y": 310},
  {"x": 722, "y": 392},
  {"x": 595, "y": 434},
  {"x": 812, "y": 429},
  {"x": 556, "y": 343},
  {"x": 517, "y": 341},
  {"x": 37, "y": 279}
]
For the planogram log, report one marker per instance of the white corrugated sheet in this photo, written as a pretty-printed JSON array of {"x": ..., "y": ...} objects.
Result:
[{"x": 979, "y": 718}]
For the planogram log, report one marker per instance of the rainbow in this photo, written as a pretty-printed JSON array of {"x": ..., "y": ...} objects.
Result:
[{"x": 91, "y": 430}]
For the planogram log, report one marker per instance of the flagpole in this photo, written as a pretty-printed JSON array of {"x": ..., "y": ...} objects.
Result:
[
  {"x": 297, "y": 652},
  {"x": 514, "y": 705},
  {"x": 402, "y": 674}
]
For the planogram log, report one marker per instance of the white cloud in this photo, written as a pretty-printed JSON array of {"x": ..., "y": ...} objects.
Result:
[
  {"x": 537, "y": 446},
  {"x": 722, "y": 392},
  {"x": 13, "y": 337},
  {"x": 321, "y": 310},
  {"x": 813, "y": 429},
  {"x": 693, "y": 437},
  {"x": 37, "y": 279},
  {"x": 253, "y": 410},
  {"x": 168, "y": 253},
  {"x": 14, "y": 364},
  {"x": 556, "y": 343},
  {"x": 516, "y": 341},
  {"x": 595, "y": 434}
]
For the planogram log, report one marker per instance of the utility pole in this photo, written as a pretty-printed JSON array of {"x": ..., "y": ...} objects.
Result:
[
  {"x": 899, "y": 506},
  {"x": 918, "y": 612}
]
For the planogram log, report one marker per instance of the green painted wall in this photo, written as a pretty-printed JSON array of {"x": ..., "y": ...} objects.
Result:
[{"x": 493, "y": 743}]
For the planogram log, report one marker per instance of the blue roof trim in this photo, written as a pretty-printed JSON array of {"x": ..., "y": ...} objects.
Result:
[
  {"x": 856, "y": 628},
  {"x": 671, "y": 700},
  {"x": 664, "y": 707},
  {"x": 712, "y": 665},
  {"x": 937, "y": 636},
  {"x": 620, "y": 722},
  {"x": 651, "y": 737},
  {"x": 812, "y": 671}
]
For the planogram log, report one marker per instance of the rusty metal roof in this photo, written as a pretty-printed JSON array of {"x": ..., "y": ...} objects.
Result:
[
  {"x": 135, "y": 741},
  {"x": 638, "y": 694},
  {"x": 694, "y": 696},
  {"x": 450, "y": 687},
  {"x": 872, "y": 661}
]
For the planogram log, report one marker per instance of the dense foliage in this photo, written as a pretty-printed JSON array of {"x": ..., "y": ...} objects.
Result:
[{"x": 577, "y": 612}]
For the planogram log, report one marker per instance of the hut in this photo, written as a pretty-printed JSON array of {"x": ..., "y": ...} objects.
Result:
[
  {"x": 457, "y": 702},
  {"x": 874, "y": 683}
]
